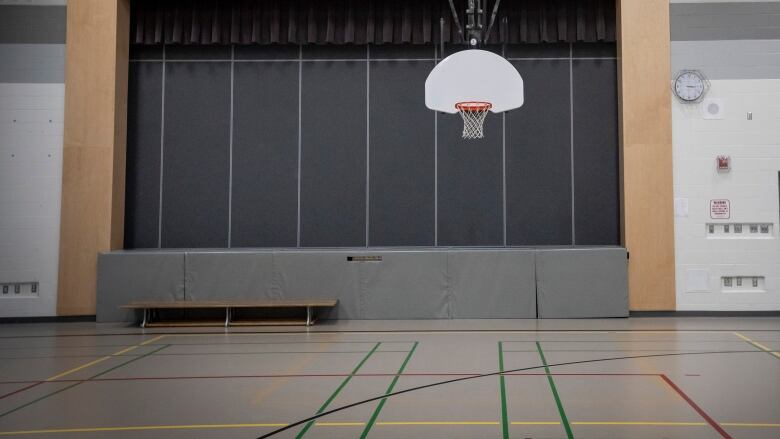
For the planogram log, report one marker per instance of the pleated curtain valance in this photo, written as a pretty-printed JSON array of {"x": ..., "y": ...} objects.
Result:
[{"x": 363, "y": 21}]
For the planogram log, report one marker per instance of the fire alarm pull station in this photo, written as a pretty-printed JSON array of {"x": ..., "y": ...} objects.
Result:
[{"x": 724, "y": 163}]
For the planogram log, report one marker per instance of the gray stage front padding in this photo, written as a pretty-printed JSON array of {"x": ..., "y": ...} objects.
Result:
[
  {"x": 404, "y": 285},
  {"x": 128, "y": 276},
  {"x": 496, "y": 284},
  {"x": 224, "y": 275},
  {"x": 582, "y": 283}
]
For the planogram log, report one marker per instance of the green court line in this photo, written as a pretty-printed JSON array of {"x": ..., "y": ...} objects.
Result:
[
  {"x": 564, "y": 419},
  {"x": 504, "y": 417},
  {"x": 338, "y": 390},
  {"x": 375, "y": 415},
  {"x": 76, "y": 383}
]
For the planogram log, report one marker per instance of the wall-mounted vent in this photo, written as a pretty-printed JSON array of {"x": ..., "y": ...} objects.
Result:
[
  {"x": 743, "y": 284},
  {"x": 364, "y": 258},
  {"x": 739, "y": 230}
]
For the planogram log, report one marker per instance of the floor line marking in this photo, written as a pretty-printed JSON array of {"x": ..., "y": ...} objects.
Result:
[
  {"x": 333, "y": 375},
  {"x": 384, "y": 424},
  {"x": 102, "y": 359},
  {"x": 8, "y": 412},
  {"x": 696, "y": 407},
  {"x": 381, "y": 404},
  {"x": 551, "y": 381},
  {"x": 502, "y": 387},
  {"x": 747, "y": 424},
  {"x": 139, "y": 428},
  {"x": 648, "y": 423},
  {"x": 337, "y": 391},
  {"x": 27, "y": 387},
  {"x": 412, "y": 423},
  {"x": 758, "y": 345}
]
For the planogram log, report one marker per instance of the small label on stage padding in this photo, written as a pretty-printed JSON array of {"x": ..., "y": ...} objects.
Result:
[{"x": 364, "y": 258}]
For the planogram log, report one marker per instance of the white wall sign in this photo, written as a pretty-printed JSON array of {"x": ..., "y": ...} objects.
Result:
[{"x": 720, "y": 209}]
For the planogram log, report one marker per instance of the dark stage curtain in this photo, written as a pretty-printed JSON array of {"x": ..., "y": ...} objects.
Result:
[{"x": 363, "y": 21}]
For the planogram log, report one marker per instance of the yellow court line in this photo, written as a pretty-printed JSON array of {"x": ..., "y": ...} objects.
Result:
[
  {"x": 340, "y": 424},
  {"x": 386, "y": 424},
  {"x": 100, "y": 360},
  {"x": 747, "y": 424},
  {"x": 758, "y": 345},
  {"x": 392, "y": 423},
  {"x": 661, "y": 424}
]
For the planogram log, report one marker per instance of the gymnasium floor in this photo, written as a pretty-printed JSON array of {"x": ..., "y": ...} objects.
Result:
[{"x": 693, "y": 378}]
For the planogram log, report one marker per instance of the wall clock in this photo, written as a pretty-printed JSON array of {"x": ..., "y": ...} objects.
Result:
[{"x": 690, "y": 86}]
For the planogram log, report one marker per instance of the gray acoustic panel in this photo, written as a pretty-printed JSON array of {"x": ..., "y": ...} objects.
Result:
[
  {"x": 324, "y": 52},
  {"x": 265, "y": 155},
  {"x": 594, "y": 50},
  {"x": 32, "y": 63},
  {"x": 582, "y": 283},
  {"x": 470, "y": 186},
  {"x": 129, "y": 276},
  {"x": 402, "y": 155},
  {"x": 596, "y": 179},
  {"x": 196, "y": 52},
  {"x": 720, "y": 21},
  {"x": 32, "y": 24},
  {"x": 144, "y": 52},
  {"x": 142, "y": 182},
  {"x": 320, "y": 274},
  {"x": 267, "y": 52},
  {"x": 333, "y": 154},
  {"x": 546, "y": 50},
  {"x": 196, "y": 154},
  {"x": 405, "y": 285},
  {"x": 538, "y": 157},
  {"x": 491, "y": 284},
  {"x": 226, "y": 275},
  {"x": 401, "y": 51}
]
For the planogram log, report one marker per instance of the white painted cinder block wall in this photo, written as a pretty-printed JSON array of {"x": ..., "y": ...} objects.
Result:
[
  {"x": 726, "y": 43},
  {"x": 32, "y": 107}
]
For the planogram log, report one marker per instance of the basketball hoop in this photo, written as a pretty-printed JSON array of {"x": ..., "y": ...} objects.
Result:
[{"x": 473, "y": 114}]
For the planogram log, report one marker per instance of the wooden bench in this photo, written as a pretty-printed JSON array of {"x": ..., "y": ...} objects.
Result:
[{"x": 230, "y": 306}]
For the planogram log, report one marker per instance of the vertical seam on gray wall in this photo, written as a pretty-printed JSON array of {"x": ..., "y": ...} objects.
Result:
[
  {"x": 368, "y": 141},
  {"x": 230, "y": 169},
  {"x": 503, "y": 157},
  {"x": 300, "y": 87},
  {"x": 436, "y": 163},
  {"x": 162, "y": 151},
  {"x": 571, "y": 138}
]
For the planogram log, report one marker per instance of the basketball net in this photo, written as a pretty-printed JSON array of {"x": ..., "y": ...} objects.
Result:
[{"x": 473, "y": 114}]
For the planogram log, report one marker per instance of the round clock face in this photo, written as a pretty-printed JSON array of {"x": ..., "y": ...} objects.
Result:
[{"x": 689, "y": 86}]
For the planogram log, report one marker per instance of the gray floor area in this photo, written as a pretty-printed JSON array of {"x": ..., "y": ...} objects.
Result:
[{"x": 687, "y": 378}]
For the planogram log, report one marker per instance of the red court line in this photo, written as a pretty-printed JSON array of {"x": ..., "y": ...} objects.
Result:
[
  {"x": 22, "y": 389},
  {"x": 696, "y": 407},
  {"x": 332, "y": 375}
]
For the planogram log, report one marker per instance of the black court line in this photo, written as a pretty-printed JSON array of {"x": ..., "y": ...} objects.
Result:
[{"x": 498, "y": 373}]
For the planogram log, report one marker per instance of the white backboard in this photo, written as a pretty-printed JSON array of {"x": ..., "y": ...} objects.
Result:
[{"x": 474, "y": 75}]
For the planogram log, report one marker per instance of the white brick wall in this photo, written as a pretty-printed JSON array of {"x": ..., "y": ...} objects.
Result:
[{"x": 751, "y": 186}]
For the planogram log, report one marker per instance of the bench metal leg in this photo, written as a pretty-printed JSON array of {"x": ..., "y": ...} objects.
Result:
[
  {"x": 227, "y": 317},
  {"x": 143, "y": 322},
  {"x": 308, "y": 316}
]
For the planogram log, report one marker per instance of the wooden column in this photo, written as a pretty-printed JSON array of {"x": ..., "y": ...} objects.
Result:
[
  {"x": 646, "y": 152},
  {"x": 93, "y": 175}
]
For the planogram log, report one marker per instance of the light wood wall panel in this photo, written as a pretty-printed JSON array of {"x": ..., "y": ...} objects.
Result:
[
  {"x": 94, "y": 146},
  {"x": 646, "y": 152}
]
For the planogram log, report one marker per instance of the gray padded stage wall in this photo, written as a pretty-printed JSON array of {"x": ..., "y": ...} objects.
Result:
[
  {"x": 332, "y": 146},
  {"x": 435, "y": 283}
]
